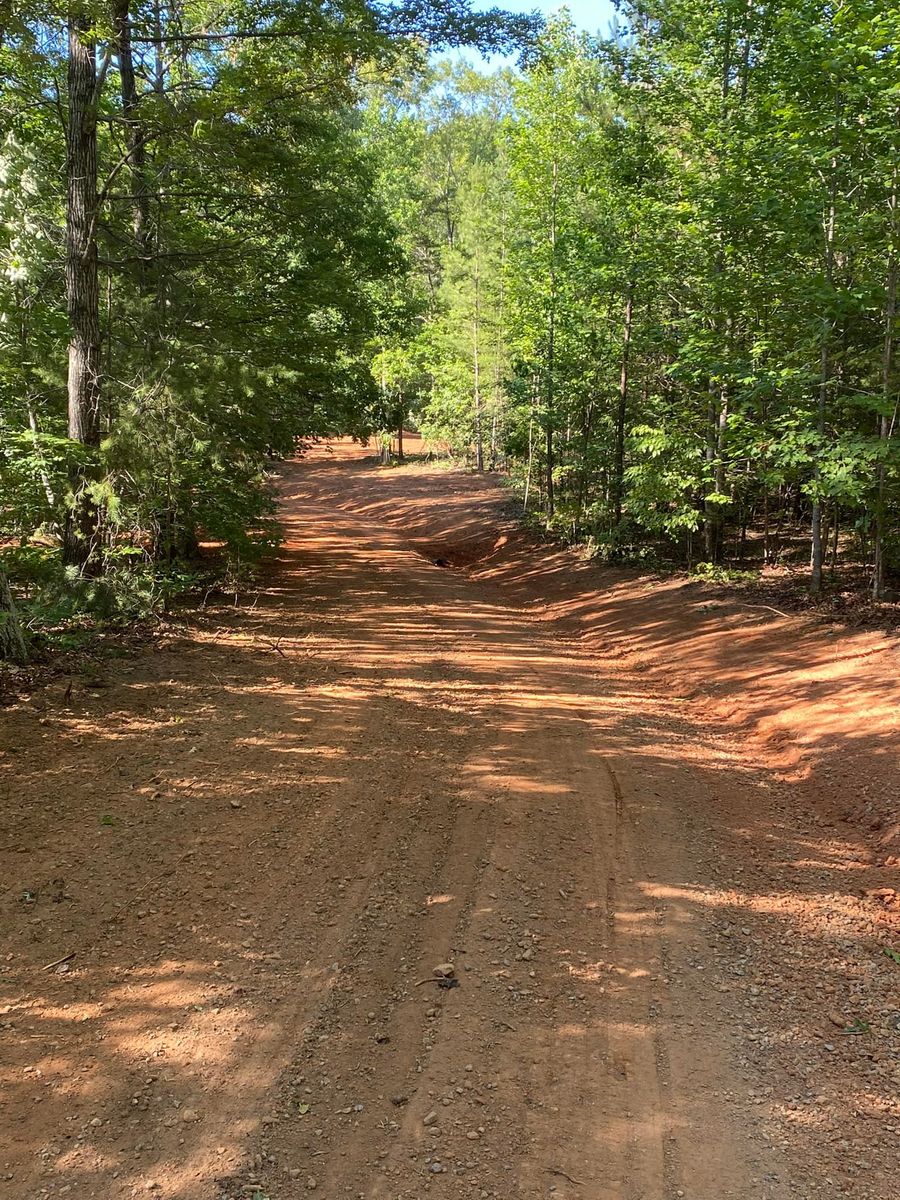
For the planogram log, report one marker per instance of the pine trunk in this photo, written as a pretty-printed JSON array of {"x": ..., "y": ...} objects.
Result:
[
  {"x": 550, "y": 500},
  {"x": 82, "y": 281},
  {"x": 476, "y": 366},
  {"x": 12, "y": 640},
  {"x": 885, "y": 427},
  {"x": 622, "y": 410},
  {"x": 135, "y": 143},
  {"x": 817, "y": 543}
]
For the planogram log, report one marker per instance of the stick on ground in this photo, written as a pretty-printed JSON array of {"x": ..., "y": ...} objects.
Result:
[{"x": 565, "y": 1175}]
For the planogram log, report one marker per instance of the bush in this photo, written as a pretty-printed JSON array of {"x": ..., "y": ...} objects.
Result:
[{"x": 713, "y": 573}]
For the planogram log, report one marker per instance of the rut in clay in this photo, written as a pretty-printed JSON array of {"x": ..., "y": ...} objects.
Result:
[{"x": 395, "y": 883}]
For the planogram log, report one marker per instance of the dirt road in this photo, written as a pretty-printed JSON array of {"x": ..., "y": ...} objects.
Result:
[{"x": 259, "y": 841}]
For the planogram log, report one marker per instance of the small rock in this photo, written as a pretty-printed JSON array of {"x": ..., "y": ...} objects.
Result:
[
  {"x": 236, "y": 804},
  {"x": 435, "y": 1168},
  {"x": 429, "y": 1118},
  {"x": 312, "y": 1183},
  {"x": 444, "y": 970}
]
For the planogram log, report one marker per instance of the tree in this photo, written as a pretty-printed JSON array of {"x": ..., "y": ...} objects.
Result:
[{"x": 216, "y": 269}]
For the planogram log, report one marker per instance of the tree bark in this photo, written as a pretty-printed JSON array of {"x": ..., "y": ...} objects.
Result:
[
  {"x": 817, "y": 541},
  {"x": 135, "y": 142},
  {"x": 12, "y": 640},
  {"x": 82, "y": 280},
  {"x": 717, "y": 408},
  {"x": 534, "y": 393},
  {"x": 885, "y": 425},
  {"x": 622, "y": 409},
  {"x": 817, "y": 544},
  {"x": 551, "y": 346},
  {"x": 716, "y": 428},
  {"x": 476, "y": 364},
  {"x": 716, "y": 515}
]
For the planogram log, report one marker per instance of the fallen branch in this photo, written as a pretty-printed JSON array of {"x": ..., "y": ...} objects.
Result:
[
  {"x": 768, "y": 608},
  {"x": 59, "y": 961},
  {"x": 557, "y": 1171}
]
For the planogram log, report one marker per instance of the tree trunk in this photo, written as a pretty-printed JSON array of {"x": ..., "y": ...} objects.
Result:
[
  {"x": 721, "y": 429},
  {"x": 551, "y": 346},
  {"x": 135, "y": 142},
  {"x": 817, "y": 544},
  {"x": 586, "y": 429},
  {"x": 82, "y": 281},
  {"x": 712, "y": 510},
  {"x": 835, "y": 535},
  {"x": 548, "y": 445},
  {"x": 476, "y": 364},
  {"x": 530, "y": 460},
  {"x": 767, "y": 536},
  {"x": 12, "y": 640},
  {"x": 885, "y": 425},
  {"x": 622, "y": 410},
  {"x": 817, "y": 541},
  {"x": 717, "y": 408}
]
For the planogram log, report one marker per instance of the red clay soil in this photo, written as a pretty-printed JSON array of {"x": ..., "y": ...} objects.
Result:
[{"x": 652, "y": 831}]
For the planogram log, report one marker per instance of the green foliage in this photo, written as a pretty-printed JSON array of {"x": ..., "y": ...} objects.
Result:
[
  {"x": 248, "y": 270},
  {"x": 60, "y": 605},
  {"x": 716, "y": 573},
  {"x": 692, "y": 232},
  {"x": 654, "y": 276}
]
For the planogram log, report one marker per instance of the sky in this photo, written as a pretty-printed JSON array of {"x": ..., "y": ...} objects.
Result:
[
  {"x": 592, "y": 15},
  {"x": 588, "y": 14}
]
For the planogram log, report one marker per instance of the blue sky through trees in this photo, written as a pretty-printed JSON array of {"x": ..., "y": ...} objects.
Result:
[
  {"x": 592, "y": 15},
  {"x": 587, "y": 14}
]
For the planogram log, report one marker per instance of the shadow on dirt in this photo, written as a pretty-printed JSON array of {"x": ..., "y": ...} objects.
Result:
[{"x": 225, "y": 816}]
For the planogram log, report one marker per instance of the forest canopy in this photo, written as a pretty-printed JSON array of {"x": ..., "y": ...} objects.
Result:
[{"x": 651, "y": 275}]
